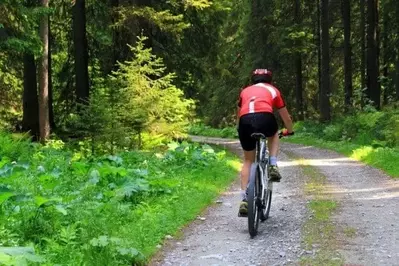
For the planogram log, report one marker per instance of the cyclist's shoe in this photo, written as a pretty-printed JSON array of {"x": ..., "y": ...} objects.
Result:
[
  {"x": 243, "y": 211},
  {"x": 274, "y": 173}
]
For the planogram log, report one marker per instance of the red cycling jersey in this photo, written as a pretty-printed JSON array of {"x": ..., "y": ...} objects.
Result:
[{"x": 259, "y": 98}]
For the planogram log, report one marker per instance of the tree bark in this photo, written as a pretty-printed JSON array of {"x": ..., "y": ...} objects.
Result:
[
  {"x": 316, "y": 99},
  {"x": 30, "y": 120},
  {"x": 363, "y": 48},
  {"x": 116, "y": 48},
  {"x": 81, "y": 52},
  {"x": 44, "y": 121},
  {"x": 397, "y": 54},
  {"x": 50, "y": 80},
  {"x": 298, "y": 67},
  {"x": 346, "y": 18},
  {"x": 388, "y": 90},
  {"x": 325, "y": 108},
  {"x": 373, "y": 91}
]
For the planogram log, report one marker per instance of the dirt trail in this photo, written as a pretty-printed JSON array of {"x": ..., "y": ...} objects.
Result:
[{"x": 368, "y": 206}]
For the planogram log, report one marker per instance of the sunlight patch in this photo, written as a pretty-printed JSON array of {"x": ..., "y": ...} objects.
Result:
[{"x": 362, "y": 152}]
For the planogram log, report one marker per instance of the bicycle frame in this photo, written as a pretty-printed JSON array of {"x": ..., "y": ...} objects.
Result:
[{"x": 262, "y": 160}]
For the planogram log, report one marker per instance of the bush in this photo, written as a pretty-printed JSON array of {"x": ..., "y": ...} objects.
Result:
[
  {"x": 333, "y": 132},
  {"x": 368, "y": 128}
]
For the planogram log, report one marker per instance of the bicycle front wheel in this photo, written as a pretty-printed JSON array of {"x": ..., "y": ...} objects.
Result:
[
  {"x": 253, "y": 198},
  {"x": 267, "y": 202}
]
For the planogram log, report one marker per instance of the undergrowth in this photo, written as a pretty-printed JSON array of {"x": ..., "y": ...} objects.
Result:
[
  {"x": 58, "y": 207},
  {"x": 204, "y": 130}
]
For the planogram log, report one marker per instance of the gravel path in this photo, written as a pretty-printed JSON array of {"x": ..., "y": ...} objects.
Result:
[
  {"x": 368, "y": 202},
  {"x": 223, "y": 239}
]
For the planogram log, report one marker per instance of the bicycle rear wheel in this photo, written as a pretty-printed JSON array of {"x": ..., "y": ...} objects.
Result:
[
  {"x": 267, "y": 202},
  {"x": 252, "y": 197}
]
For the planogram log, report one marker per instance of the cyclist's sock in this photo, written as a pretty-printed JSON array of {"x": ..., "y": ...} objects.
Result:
[
  {"x": 243, "y": 194},
  {"x": 273, "y": 160}
]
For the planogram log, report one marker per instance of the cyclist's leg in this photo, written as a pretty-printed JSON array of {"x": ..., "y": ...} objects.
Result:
[
  {"x": 248, "y": 144},
  {"x": 273, "y": 143},
  {"x": 249, "y": 158},
  {"x": 269, "y": 127}
]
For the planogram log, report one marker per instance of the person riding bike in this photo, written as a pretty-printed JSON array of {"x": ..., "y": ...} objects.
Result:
[{"x": 255, "y": 115}]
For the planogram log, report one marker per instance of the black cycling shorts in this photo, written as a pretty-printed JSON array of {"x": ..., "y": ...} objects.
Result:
[{"x": 264, "y": 123}]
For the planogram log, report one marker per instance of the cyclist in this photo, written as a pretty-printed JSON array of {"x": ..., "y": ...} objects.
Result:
[{"x": 255, "y": 114}]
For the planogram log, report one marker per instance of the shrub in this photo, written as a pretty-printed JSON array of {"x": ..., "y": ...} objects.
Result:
[{"x": 333, "y": 132}]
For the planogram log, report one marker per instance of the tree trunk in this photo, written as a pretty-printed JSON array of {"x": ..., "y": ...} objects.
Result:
[
  {"x": 386, "y": 55},
  {"x": 397, "y": 75},
  {"x": 44, "y": 122},
  {"x": 318, "y": 43},
  {"x": 116, "y": 48},
  {"x": 373, "y": 91},
  {"x": 50, "y": 81},
  {"x": 81, "y": 52},
  {"x": 397, "y": 54},
  {"x": 298, "y": 67},
  {"x": 30, "y": 121},
  {"x": 362, "y": 48},
  {"x": 325, "y": 108},
  {"x": 346, "y": 18}
]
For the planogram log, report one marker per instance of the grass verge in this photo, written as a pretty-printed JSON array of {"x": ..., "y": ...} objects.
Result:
[
  {"x": 59, "y": 207},
  {"x": 385, "y": 159},
  {"x": 319, "y": 232}
]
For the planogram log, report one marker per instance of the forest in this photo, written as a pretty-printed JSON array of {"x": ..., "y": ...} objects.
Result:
[
  {"x": 75, "y": 67},
  {"x": 93, "y": 93}
]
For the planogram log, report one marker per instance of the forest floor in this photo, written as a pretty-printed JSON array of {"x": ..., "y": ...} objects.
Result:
[{"x": 327, "y": 210}]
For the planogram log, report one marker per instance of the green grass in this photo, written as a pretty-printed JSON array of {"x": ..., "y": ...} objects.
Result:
[
  {"x": 350, "y": 232},
  {"x": 59, "y": 207}
]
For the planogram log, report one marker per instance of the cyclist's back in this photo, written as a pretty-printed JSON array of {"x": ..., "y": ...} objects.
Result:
[{"x": 260, "y": 98}]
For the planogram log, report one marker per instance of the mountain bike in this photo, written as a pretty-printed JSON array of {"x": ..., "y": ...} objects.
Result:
[{"x": 260, "y": 188}]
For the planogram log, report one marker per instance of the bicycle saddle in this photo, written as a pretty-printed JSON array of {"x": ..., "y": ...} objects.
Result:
[{"x": 258, "y": 136}]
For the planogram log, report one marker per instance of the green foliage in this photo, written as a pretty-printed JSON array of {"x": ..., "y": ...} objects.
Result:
[
  {"x": 138, "y": 107},
  {"x": 203, "y": 130},
  {"x": 164, "y": 19},
  {"x": 148, "y": 99},
  {"x": 364, "y": 128},
  {"x": 108, "y": 210}
]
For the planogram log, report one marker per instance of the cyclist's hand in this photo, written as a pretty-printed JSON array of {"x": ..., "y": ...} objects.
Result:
[{"x": 284, "y": 133}]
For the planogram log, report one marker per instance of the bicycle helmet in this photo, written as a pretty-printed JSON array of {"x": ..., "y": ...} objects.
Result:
[{"x": 261, "y": 76}]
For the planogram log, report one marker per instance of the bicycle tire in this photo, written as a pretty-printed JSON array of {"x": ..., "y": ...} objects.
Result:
[
  {"x": 264, "y": 214},
  {"x": 252, "y": 197}
]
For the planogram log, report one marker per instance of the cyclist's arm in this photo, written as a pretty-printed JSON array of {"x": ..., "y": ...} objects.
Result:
[
  {"x": 238, "y": 110},
  {"x": 286, "y": 119},
  {"x": 279, "y": 103},
  {"x": 238, "y": 116}
]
